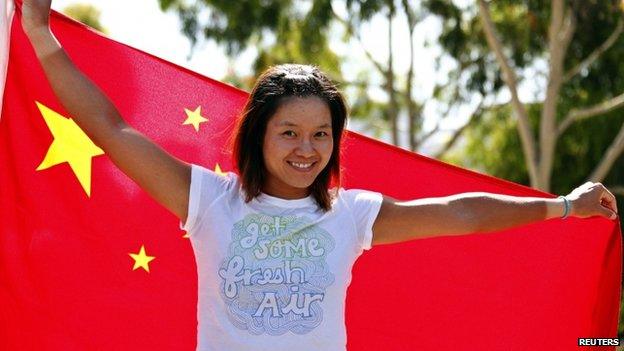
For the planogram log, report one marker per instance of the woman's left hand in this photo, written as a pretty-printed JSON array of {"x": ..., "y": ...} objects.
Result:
[{"x": 592, "y": 199}]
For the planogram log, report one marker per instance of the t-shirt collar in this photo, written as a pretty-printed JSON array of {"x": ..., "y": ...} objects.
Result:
[{"x": 277, "y": 201}]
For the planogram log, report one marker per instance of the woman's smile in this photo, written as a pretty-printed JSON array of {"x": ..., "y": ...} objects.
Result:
[{"x": 302, "y": 166}]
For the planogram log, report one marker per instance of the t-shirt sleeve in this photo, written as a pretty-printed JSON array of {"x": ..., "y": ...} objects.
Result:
[
  {"x": 365, "y": 205},
  {"x": 206, "y": 187}
]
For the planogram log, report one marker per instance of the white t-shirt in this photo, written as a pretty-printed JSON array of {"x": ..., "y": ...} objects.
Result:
[{"x": 273, "y": 273}]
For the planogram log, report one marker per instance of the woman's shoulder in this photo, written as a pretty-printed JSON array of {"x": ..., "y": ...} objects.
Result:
[
  {"x": 355, "y": 197},
  {"x": 216, "y": 172},
  {"x": 353, "y": 192},
  {"x": 214, "y": 180}
]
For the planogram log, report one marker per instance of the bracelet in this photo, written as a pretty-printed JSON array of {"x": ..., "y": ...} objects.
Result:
[{"x": 566, "y": 203}]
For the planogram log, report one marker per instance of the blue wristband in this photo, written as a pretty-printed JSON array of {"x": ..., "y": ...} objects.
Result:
[{"x": 566, "y": 203}]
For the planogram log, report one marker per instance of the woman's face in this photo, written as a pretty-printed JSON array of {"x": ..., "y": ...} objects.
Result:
[{"x": 297, "y": 146}]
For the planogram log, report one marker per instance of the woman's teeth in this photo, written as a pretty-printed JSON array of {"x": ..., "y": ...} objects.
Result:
[{"x": 301, "y": 165}]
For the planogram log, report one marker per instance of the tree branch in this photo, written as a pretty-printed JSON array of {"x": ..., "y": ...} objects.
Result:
[
  {"x": 363, "y": 84},
  {"x": 437, "y": 128},
  {"x": 613, "y": 152},
  {"x": 392, "y": 112},
  {"x": 560, "y": 31},
  {"x": 472, "y": 120},
  {"x": 413, "y": 112},
  {"x": 429, "y": 134},
  {"x": 349, "y": 26},
  {"x": 596, "y": 53},
  {"x": 509, "y": 76},
  {"x": 378, "y": 124},
  {"x": 598, "y": 109}
]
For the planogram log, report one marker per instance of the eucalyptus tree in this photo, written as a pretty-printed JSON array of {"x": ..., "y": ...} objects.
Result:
[{"x": 569, "y": 52}]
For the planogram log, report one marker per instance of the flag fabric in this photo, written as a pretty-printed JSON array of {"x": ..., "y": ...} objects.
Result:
[{"x": 89, "y": 262}]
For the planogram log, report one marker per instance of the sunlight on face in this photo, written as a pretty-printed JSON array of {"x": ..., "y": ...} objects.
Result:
[{"x": 297, "y": 146}]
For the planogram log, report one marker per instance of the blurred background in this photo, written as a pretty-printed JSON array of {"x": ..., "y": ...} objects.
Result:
[{"x": 529, "y": 91}]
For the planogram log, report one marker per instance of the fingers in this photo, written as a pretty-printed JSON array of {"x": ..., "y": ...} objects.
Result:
[
  {"x": 608, "y": 213},
  {"x": 607, "y": 200},
  {"x": 593, "y": 192},
  {"x": 606, "y": 197}
]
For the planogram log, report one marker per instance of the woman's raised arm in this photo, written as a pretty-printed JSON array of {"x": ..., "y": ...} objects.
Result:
[
  {"x": 164, "y": 177},
  {"x": 482, "y": 212}
]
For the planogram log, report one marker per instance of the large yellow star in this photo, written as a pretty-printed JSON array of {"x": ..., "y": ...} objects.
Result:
[
  {"x": 70, "y": 145},
  {"x": 194, "y": 118},
  {"x": 141, "y": 259}
]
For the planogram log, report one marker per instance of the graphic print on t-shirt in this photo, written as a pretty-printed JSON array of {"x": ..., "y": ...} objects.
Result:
[{"x": 274, "y": 277}]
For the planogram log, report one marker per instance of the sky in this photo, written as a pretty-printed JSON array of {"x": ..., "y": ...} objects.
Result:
[{"x": 141, "y": 24}]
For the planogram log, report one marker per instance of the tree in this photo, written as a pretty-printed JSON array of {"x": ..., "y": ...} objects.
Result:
[
  {"x": 85, "y": 13},
  {"x": 517, "y": 35}
]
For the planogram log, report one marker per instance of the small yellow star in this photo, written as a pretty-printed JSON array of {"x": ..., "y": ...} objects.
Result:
[
  {"x": 194, "y": 118},
  {"x": 70, "y": 145},
  {"x": 186, "y": 235},
  {"x": 218, "y": 171},
  {"x": 141, "y": 259}
]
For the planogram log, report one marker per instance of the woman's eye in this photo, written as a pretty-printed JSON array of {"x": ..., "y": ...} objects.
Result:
[
  {"x": 289, "y": 133},
  {"x": 321, "y": 134}
]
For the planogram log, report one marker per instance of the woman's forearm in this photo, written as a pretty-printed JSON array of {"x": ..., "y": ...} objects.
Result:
[
  {"x": 493, "y": 212},
  {"x": 481, "y": 212},
  {"x": 84, "y": 101}
]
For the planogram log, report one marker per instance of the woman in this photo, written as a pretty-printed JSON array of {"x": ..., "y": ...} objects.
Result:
[{"x": 274, "y": 246}]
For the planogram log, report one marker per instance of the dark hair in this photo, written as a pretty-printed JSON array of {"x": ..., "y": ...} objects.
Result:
[{"x": 273, "y": 87}]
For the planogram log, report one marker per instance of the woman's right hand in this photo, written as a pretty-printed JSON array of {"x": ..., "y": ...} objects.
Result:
[
  {"x": 35, "y": 15},
  {"x": 592, "y": 199}
]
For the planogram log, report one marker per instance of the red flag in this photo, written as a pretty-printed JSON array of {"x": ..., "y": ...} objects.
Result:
[{"x": 89, "y": 262}]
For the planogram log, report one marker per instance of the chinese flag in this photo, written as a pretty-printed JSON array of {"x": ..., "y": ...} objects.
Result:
[{"x": 89, "y": 262}]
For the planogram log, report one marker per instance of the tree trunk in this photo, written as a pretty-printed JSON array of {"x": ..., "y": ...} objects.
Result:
[
  {"x": 559, "y": 35},
  {"x": 392, "y": 111}
]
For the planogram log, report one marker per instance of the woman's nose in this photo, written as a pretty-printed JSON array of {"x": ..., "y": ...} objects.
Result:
[{"x": 305, "y": 148}]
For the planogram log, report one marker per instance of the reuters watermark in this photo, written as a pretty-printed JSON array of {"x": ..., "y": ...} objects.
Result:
[{"x": 598, "y": 342}]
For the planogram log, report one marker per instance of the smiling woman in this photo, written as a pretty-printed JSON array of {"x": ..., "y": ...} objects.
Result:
[
  {"x": 297, "y": 116},
  {"x": 274, "y": 246},
  {"x": 298, "y": 144}
]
